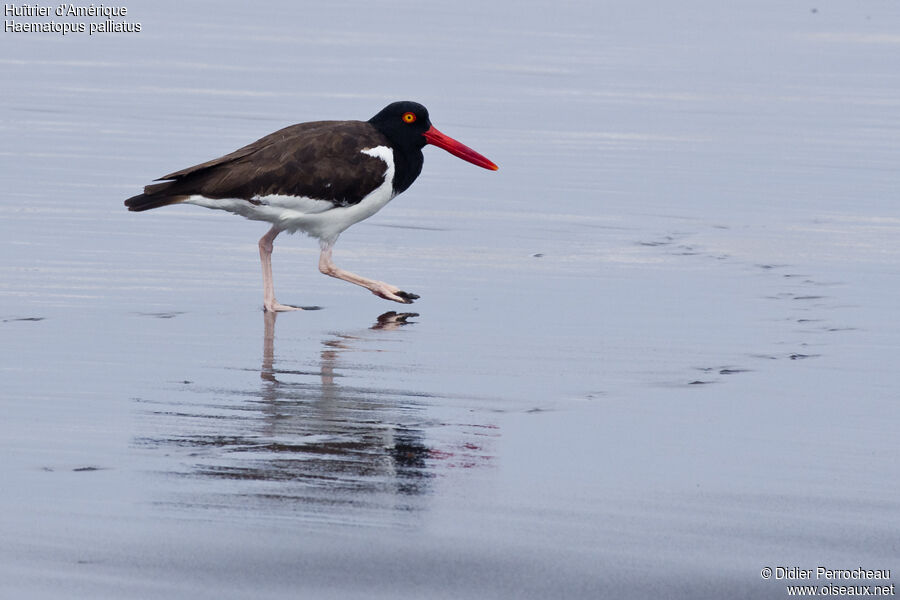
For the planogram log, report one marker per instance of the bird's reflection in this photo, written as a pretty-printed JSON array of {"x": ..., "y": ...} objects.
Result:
[
  {"x": 309, "y": 437},
  {"x": 388, "y": 321},
  {"x": 340, "y": 438}
]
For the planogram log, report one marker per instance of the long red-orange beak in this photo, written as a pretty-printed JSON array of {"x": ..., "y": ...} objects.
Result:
[{"x": 435, "y": 137}]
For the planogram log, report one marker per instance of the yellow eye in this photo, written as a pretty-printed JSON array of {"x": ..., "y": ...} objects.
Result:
[{"x": 409, "y": 117}]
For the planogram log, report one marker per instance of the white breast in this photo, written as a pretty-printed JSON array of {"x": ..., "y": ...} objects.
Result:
[{"x": 317, "y": 218}]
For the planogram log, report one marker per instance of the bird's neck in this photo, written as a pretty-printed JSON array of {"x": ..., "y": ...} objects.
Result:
[{"x": 407, "y": 166}]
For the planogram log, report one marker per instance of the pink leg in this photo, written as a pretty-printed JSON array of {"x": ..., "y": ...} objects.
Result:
[
  {"x": 379, "y": 288},
  {"x": 265, "y": 257}
]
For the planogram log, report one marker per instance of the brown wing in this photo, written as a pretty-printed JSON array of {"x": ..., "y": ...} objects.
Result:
[{"x": 321, "y": 160}]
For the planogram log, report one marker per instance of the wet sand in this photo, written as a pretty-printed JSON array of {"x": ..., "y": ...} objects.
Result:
[{"x": 653, "y": 354}]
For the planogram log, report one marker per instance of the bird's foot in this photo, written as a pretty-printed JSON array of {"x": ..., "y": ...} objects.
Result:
[
  {"x": 407, "y": 296},
  {"x": 278, "y": 307},
  {"x": 390, "y": 292}
]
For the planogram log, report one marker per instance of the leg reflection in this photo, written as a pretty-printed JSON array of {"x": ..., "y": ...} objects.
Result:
[
  {"x": 338, "y": 438},
  {"x": 330, "y": 428}
]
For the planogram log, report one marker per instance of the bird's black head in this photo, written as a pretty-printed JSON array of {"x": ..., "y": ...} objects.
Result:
[
  {"x": 404, "y": 123},
  {"x": 407, "y": 126}
]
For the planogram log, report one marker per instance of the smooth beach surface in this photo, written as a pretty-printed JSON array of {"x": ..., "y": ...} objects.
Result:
[{"x": 654, "y": 354}]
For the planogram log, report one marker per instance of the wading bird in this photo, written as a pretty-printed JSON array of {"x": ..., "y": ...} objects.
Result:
[{"x": 319, "y": 178}]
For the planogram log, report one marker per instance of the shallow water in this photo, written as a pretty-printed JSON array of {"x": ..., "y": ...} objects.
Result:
[{"x": 653, "y": 354}]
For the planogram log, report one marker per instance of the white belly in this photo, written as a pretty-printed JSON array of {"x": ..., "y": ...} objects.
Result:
[{"x": 317, "y": 218}]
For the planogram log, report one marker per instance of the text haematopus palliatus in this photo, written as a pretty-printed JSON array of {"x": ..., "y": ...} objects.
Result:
[{"x": 319, "y": 178}]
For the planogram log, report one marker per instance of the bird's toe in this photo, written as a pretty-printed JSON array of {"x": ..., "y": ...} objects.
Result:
[{"x": 278, "y": 307}]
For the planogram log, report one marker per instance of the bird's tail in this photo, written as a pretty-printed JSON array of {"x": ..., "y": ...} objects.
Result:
[{"x": 154, "y": 196}]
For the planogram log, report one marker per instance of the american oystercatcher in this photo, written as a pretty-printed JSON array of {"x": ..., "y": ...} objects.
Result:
[{"x": 319, "y": 178}]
